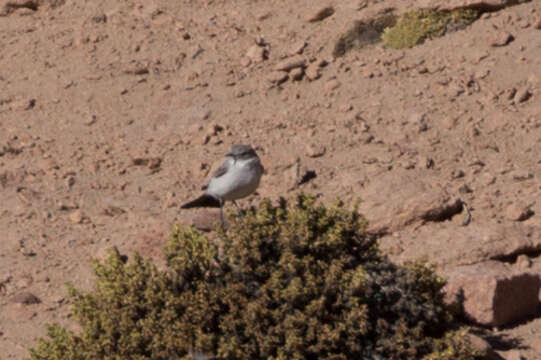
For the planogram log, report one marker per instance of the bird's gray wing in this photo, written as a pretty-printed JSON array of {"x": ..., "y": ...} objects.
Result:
[{"x": 219, "y": 172}]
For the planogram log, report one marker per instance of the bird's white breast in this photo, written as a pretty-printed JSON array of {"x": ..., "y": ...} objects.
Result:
[{"x": 240, "y": 180}]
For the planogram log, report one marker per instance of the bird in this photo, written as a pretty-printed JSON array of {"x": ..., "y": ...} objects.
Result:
[{"x": 235, "y": 179}]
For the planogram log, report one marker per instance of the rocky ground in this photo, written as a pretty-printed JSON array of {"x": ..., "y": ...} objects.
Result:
[{"x": 113, "y": 113}]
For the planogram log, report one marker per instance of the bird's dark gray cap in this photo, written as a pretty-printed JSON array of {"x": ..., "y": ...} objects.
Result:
[{"x": 238, "y": 149}]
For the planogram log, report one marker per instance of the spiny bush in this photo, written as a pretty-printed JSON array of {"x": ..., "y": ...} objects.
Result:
[
  {"x": 291, "y": 281},
  {"x": 415, "y": 26}
]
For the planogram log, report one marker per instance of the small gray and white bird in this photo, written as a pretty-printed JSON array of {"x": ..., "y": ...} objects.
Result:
[{"x": 236, "y": 178}]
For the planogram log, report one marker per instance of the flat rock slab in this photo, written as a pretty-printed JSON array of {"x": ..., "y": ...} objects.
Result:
[
  {"x": 395, "y": 201},
  {"x": 476, "y": 4},
  {"x": 448, "y": 244},
  {"x": 494, "y": 293}
]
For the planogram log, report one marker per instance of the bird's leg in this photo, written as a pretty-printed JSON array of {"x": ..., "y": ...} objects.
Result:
[
  {"x": 222, "y": 211},
  {"x": 241, "y": 212}
]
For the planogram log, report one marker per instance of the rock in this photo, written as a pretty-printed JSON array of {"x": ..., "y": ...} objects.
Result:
[
  {"x": 345, "y": 108},
  {"x": 113, "y": 210},
  {"x": 501, "y": 38},
  {"x": 331, "y": 85},
  {"x": 315, "y": 150},
  {"x": 312, "y": 72},
  {"x": 419, "y": 120},
  {"x": 263, "y": 16},
  {"x": 91, "y": 120},
  {"x": 518, "y": 211},
  {"x": 510, "y": 93},
  {"x": 465, "y": 189},
  {"x": 460, "y": 4},
  {"x": 103, "y": 253},
  {"x": 494, "y": 295},
  {"x": 521, "y": 175},
  {"x": 296, "y": 175},
  {"x": 25, "y": 298},
  {"x": 277, "y": 77},
  {"x": 297, "y": 48},
  {"x": 23, "y": 104},
  {"x": 31, "y": 5},
  {"x": 205, "y": 139},
  {"x": 213, "y": 129},
  {"x": 99, "y": 18},
  {"x": 137, "y": 69},
  {"x": 292, "y": 175},
  {"x": 536, "y": 345},
  {"x": 523, "y": 262},
  {"x": 320, "y": 14},
  {"x": 481, "y": 240},
  {"x": 290, "y": 63},
  {"x": 296, "y": 74},
  {"x": 389, "y": 211},
  {"x": 153, "y": 163},
  {"x": 522, "y": 95},
  {"x": 537, "y": 24},
  {"x": 76, "y": 217},
  {"x": 245, "y": 61},
  {"x": 70, "y": 181},
  {"x": 256, "y": 53},
  {"x": 150, "y": 242},
  {"x": 512, "y": 355},
  {"x": 206, "y": 221},
  {"x": 482, "y": 347},
  {"x": 457, "y": 174}
]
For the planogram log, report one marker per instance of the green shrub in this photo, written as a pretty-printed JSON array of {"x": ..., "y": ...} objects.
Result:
[
  {"x": 415, "y": 26},
  {"x": 292, "y": 281}
]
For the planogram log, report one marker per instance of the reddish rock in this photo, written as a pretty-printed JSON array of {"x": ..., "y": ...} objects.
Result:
[
  {"x": 206, "y": 221},
  {"x": 518, "y": 211},
  {"x": 331, "y": 85},
  {"x": 315, "y": 150},
  {"x": 256, "y": 53},
  {"x": 522, "y": 95},
  {"x": 494, "y": 294},
  {"x": 11, "y": 5},
  {"x": 296, "y": 74},
  {"x": 277, "y": 77},
  {"x": 501, "y": 38},
  {"x": 536, "y": 345},
  {"x": 290, "y": 63},
  {"x": 320, "y": 14},
  {"x": 537, "y": 24},
  {"x": 104, "y": 252},
  {"x": 482, "y": 347},
  {"x": 450, "y": 245},
  {"x": 297, "y": 48},
  {"x": 25, "y": 298},
  {"x": 459, "y": 4},
  {"x": 312, "y": 72},
  {"x": 150, "y": 242},
  {"x": 416, "y": 202},
  {"x": 77, "y": 217},
  {"x": 512, "y": 355}
]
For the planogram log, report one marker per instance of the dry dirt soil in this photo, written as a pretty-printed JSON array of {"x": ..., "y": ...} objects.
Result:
[{"x": 113, "y": 113}]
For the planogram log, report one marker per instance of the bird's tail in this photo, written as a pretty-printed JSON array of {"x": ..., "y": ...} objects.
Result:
[{"x": 204, "y": 200}]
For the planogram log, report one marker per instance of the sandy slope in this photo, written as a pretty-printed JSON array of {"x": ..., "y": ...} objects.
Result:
[{"x": 112, "y": 113}]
